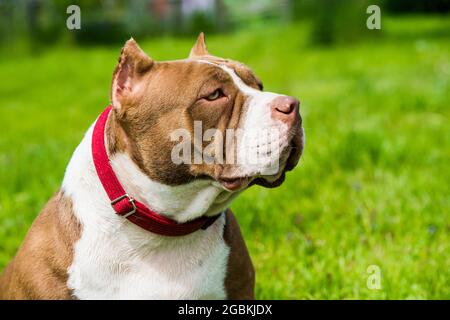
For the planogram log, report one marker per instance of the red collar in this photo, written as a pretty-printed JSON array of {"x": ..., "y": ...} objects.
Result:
[{"x": 123, "y": 204}]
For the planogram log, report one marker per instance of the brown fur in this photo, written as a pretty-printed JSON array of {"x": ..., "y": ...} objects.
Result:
[
  {"x": 39, "y": 270},
  {"x": 240, "y": 279}
]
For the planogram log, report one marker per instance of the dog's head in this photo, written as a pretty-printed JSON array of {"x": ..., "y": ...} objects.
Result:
[{"x": 203, "y": 118}]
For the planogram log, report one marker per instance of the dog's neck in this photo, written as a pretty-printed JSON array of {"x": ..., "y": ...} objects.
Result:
[{"x": 180, "y": 203}]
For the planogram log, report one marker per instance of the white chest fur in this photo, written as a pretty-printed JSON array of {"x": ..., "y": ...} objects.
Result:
[{"x": 115, "y": 259}]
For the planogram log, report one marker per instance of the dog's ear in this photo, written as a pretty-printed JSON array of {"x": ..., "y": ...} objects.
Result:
[
  {"x": 133, "y": 65},
  {"x": 199, "y": 49}
]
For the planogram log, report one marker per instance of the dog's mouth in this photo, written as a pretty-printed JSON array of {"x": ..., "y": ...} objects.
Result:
[
  {"x": 288, "y": 162},
  {"x": 234, "y": 184}
]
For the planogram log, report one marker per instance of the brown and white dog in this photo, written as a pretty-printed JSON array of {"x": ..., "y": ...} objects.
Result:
[{"x": 78, "y": 248}]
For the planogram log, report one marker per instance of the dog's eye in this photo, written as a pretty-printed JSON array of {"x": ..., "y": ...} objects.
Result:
[{"x": 215, "y": 95}]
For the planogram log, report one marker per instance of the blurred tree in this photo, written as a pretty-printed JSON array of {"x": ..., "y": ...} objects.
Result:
[
  {"x": 325, "y": 22},
  {"x": 102, "y": 22},
  {"x": 177, "y": 17},
  {"x": 44, "y": 21},
  {"x": 200, "y": 21},
  {"x": 409, "y": 6},
  {"x": 335, "y": 22},
  {"x": 140, "y": 19},
  {"x": 6, "y": 21},
  {"x": 220, "y": 15}
]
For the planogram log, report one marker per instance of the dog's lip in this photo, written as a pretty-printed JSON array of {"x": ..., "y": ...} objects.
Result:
[
  {"x": 270, "y": 181},
  {"x": 239, "y": 183},
  {"x": 234, "y": 184},
  {"x": 263, "y": 182}
]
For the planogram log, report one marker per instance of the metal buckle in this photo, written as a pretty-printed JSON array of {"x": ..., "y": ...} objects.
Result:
[{"x": 130, "y": 200}]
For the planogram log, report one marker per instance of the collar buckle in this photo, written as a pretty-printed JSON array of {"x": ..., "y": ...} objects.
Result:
[{"x": 130, "y": 200}]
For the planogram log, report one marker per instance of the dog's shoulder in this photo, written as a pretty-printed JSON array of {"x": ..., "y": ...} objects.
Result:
[
  {"x": 39, "y": 269},
  {"x": 240, "y": 277}
]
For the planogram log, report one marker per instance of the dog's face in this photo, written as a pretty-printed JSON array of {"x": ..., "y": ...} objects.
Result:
[{"x": 223, "y": 100}]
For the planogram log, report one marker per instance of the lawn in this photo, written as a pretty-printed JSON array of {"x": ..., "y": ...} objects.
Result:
[{"x": 371, "y": 189}]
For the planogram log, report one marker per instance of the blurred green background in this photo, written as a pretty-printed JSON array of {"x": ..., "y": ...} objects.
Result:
[{"x": 373, "y": 185}]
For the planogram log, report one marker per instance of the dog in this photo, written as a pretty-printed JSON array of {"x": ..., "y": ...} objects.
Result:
[{"x": 129, "y": 222}]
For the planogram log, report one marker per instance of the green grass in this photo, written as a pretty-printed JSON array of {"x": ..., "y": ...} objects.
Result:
[{"x": 371, "y": 189}]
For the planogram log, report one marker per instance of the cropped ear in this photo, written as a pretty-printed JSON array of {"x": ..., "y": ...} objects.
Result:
[
  {"x": 199, "y": 48},
  {"x": 133, "y": 64}
]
